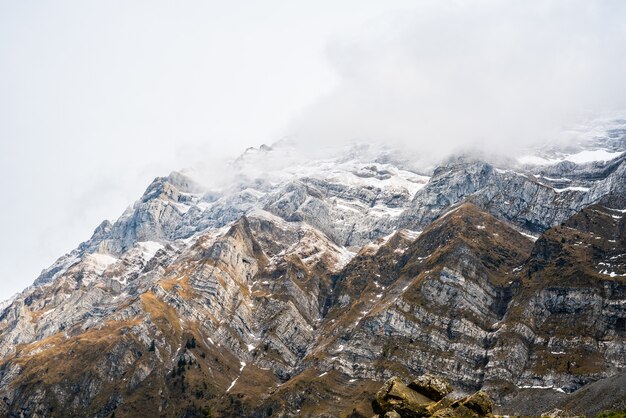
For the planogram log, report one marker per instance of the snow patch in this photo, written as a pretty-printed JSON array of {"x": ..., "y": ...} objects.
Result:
[
  {"x": 561, "y": 179},
  {"x": 149, "y": 248},
  {"x": 529, "y": 236},
  {"x": 100, "y": 262},
  {"x": 611, "y": 273},
  {"x": 232, "y": 384},
  {"x": 541, "y": 387},
  {"x": 588, "y": 156},
  {"x": 582, "y": 157},
  {"x": 572, "y": 188}
]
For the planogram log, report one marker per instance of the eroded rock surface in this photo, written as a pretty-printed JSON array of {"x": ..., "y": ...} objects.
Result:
[
  {"x": 299, "y": 294},
  {"x": 395, "y": 399}
]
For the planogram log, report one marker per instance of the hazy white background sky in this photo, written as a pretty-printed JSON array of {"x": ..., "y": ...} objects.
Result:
[{"x": 97, "y": 98}]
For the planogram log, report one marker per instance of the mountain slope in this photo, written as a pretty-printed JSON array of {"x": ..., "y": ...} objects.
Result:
[{"x": 299, "y": 290}]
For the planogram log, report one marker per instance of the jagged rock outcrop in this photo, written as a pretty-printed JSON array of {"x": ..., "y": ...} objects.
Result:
[
  {"x": 395, "y": 396},
  {"x": 534, "y": 202},
  {"x": 431, "y": 387},
  {"x": 299, "y": 293},
  {"x": 395, "y": 399},
  {"x": 567, "y": 321}
]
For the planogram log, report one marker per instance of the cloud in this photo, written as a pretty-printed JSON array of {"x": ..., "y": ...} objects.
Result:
[
  {"x": 492, "y": 75},
  {"x": 99, "y": 98}
]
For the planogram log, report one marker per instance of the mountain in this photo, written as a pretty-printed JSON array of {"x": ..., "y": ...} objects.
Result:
[{"x": 296, "y": 287}]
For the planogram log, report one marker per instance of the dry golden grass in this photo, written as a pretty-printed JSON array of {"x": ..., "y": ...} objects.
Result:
[
  {"x": 329, "y": 395},
  {"x": 57, "y": 357},
  {"x": 36, "y": 315},
  {"x": 162, "y": 315}
]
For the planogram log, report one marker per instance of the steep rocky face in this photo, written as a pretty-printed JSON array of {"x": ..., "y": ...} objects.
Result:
[
  {"x": 356, "y": 198},
  {"x": 248, "y": 307},
  {"x": 459, "y": 301},
  {"x": 426, "y": 396},
  {"x": 534, "y": 201},
  {"x": 439, "y": 297},
  {"x": 566, "y": 324},
  {"x": 352, "y": 208},
  {"x": 157, "y": 217},
  {"x": 300, "y": 292}
]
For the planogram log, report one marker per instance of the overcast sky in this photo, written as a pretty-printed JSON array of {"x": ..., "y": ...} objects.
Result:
[{"x": 97, "y": 98}]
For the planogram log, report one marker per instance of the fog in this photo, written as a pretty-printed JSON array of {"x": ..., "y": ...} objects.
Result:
[
  {"x": 98, "y": 98},
  {"x": 496, "y": 76}
]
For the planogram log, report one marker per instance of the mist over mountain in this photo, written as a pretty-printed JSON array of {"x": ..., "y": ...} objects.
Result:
[
  {"x": 390, "y": 210},
  {"x": 297, "y": 286},
  {"x": 489, "y": 75},
  {"x": 101, "y": 98}
]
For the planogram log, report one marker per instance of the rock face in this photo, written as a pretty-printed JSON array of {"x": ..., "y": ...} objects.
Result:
[
  {"x": 299, "y": 291},
  {"x": 532, "y": 202},
  {"x": 478, "y": 403},
  {"x": 395, "y": 399},
  {"x": 395, "y": 396},
  {"x": 572, "y": 296},
  {"x": 431, "y": 386}
]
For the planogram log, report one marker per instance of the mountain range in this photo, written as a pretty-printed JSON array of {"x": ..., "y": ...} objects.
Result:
[{"x": 297, "y": 286}]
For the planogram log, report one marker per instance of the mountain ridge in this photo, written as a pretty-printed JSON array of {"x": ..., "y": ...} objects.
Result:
[{"x": 299, "y": 296}]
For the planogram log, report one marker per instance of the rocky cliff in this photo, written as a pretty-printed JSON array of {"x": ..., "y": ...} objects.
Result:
[{"x": 298, "y": 291}]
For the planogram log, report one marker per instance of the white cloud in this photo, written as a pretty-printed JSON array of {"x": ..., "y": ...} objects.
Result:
[
  {"x": 100, "y": 97},
  {"x": 488, "y": 74}
]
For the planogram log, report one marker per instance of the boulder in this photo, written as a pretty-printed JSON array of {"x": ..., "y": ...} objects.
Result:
[
  {"x": 394, "y": 395},
  {"x": 480, "y": 403},
  {"x": 431, "y": 386},
  {"x": 397, "y": 400}
]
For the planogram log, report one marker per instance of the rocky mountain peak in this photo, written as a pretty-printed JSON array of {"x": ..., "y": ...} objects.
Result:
[{"x": 298, "y": 288}]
